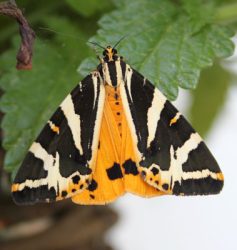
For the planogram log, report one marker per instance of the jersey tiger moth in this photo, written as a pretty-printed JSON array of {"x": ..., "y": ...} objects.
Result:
[{"x": 115, "y": 133}]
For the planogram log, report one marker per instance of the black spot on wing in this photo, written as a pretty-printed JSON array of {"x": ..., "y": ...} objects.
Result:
[
  {"x": 64, "y": 193},
  {"x": 155, "y": 171},
  {"x": 202, "y": 186},
  {"x": 93, "y": 185},
  {"x": 116, "y": 96},
  {"x": 165, "y": 186},
  {"x": 32, "y": 168},
  {"x": 92, "y": 196},
  {"x": 76, "y": 179},
  {"x": 130, "y": 167},
  {"x": 33, "y": 195},
  {"x": 199, "y": 159},
  {"x": 114, "y": 172}
]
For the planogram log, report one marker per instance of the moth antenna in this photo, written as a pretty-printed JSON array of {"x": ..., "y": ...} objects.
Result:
[
  {"x": 94, "y": 43},
  {"x": 61, "y": 33},
  {"x": 116, "y": 44}
]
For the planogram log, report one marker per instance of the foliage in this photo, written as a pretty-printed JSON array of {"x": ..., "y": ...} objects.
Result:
[
  {"x": 170, "y": 42},
  {"x": 209, "y": 97}
]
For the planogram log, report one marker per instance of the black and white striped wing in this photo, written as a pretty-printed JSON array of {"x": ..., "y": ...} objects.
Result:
[
  {"x": 171, "y": 156},
  {"x": 60, "y": 162}
]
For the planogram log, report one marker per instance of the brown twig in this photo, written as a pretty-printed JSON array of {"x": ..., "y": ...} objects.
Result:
[{"x": 24, "y": 55}]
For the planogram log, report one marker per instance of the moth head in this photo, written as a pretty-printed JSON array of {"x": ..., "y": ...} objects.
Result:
[
  {"x": 110, "y": 54},
  {"x": 112, "y": 67}
]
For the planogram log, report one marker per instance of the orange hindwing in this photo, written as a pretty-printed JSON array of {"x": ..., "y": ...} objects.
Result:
[{"x": 115, "y": 170}]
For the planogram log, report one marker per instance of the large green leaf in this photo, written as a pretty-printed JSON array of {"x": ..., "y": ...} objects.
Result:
[
  {"x": 89, "y": 7},
  {"x": 31, "y": 96},
  {"x": 164, "y": 41},
  {"x": 209, "y": 97}
]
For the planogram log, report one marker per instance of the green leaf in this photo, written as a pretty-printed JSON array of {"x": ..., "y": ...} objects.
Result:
[
  {"x": 198, "y": 15},
  {"x": 88, "y": 64},
  {"x": 89, "y": 7},
  {"x": 209, "y": 97},
  {"x": 31, "y": 96},
  {"x": 159, "y": 43},
  {"x": 69, "y": 37},
  {"x": 227, "y": 12}
]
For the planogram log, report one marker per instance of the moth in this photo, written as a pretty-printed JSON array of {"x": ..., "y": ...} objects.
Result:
[{"x": 115, "y": 133}]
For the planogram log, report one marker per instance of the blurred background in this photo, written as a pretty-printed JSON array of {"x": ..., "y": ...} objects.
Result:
[{"x": 62, "y": 29}]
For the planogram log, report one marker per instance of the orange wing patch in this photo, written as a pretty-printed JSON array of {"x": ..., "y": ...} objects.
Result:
[
  {"x": 116, "y": 170},
  {"x": 132, "y": 178},
  {"x": 107, "y": 184}
]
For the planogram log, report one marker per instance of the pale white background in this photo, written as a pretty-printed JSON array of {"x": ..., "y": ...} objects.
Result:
[{"x": 187, "y": 223}]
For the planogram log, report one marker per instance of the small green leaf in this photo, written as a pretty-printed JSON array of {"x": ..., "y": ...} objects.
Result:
[
  {"x": 89, "y": 7},
  {"x": 209, "y": 97},
  {"x": 159, "y": 43}
]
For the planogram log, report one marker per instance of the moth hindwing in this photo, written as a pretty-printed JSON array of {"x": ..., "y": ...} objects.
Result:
[{"x": 115, "y": 133}]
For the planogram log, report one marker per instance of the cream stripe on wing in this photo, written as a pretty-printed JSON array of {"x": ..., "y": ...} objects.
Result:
[
  {"x": 176, "y": 172},
  {"x": 48, "y": 160},
  {"x": 95, "y": 85},
  {"x": 118, "y": 72},
  {"x": 182, "y": 155},
  {"x": 153, "y": 115},
  {"x": 107, "y": 74},
  {"x": 127, "y": 110},
  {"x": 40, "y": 153},
  {"x": 128, "y": 74},
  {"x": 98, "y": 119},
  {"x": 51, "y": 165},
  {"x": 191, "y": 144},
  {"x": 73, "y": 120},
  {"x": 200, "y": 174}
]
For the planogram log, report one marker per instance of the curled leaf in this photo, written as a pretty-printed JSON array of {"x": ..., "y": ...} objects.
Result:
[{"x": 24, "y": 55}]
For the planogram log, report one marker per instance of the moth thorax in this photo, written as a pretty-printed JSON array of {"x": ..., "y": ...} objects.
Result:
[{"x": 112, "y": 73}]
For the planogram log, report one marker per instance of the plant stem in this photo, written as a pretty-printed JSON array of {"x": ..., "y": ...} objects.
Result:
[{"x": 37, "y": 15}]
